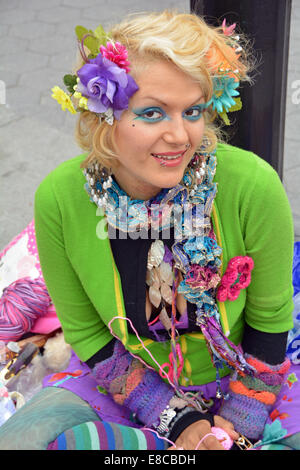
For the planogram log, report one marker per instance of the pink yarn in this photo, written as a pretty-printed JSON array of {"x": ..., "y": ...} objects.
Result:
[
  {"x": 22, "y": 302},
  {"x": 222, "y": 435}
]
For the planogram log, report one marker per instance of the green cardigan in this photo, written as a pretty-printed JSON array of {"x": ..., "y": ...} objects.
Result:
[{"x": 251, "y": 216}]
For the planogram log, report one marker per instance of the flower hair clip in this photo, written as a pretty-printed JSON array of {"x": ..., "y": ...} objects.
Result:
[
  {"x": 103, "y": 84},
  {"x": 225, "y": 81}
]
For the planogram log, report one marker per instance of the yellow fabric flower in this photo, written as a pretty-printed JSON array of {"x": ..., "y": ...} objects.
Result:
[
  {"x": 82, "y": 100},
  {"x": 63, "y": 99},
  {"x": 83, "y": 103}
]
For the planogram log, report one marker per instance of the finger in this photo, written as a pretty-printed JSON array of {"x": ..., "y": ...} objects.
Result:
[
  {"x": 212, "y": 443},
  {"x": 175, "y": 448},
  {"x": 227, "y": 426}
]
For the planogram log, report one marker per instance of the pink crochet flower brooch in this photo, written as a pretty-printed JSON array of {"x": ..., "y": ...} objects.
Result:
[{"x": 236, "y": 277}]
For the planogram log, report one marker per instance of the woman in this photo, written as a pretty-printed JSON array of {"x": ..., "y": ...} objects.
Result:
[{"x": 161, "y": 248}]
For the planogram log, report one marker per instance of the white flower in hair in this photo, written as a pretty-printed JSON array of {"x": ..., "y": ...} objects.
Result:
[{"x": 109, "y": 116}]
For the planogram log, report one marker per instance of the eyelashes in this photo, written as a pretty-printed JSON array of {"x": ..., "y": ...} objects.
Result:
[
  {"x": 195, "y": 112},
  {"x": 150, "y": 114},
  {"x": 156, "y": 114}
]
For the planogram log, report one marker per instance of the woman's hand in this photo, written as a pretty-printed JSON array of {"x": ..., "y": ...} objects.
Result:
[{"x": 189, "y": 439}]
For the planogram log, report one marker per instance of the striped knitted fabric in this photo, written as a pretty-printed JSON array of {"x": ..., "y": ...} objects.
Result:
[
  {"x": 132, "y": 384},
  {"x": 101, "y": 435},
  {"x": 251, "y": 397}
]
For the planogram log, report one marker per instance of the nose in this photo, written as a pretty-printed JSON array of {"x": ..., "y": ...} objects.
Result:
[{"x": 176, "y": 132}]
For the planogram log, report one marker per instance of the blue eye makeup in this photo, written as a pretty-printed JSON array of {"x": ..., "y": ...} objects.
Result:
[
  {"x": 194, "y": 113},
  {"x": 153, "y": 114},
  {"x": 157, "y": 114}
]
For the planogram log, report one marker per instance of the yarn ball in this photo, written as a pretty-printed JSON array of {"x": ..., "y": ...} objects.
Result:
[
  {"x": 222, "y": 436},
  {"x": 21, "y": 303}
]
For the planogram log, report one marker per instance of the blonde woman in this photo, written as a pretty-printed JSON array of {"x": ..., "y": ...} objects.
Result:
[{"x": 167, "y": 253}]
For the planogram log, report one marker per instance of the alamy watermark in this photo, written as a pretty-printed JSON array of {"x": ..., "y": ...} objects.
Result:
[
  {"x": 296, "y": 93},
  {"x": 154, "y": 222},
  {"x": 2, "y": 92}
]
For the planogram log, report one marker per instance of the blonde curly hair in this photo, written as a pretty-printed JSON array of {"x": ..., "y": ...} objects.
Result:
[{"x": 187, "y": 41}]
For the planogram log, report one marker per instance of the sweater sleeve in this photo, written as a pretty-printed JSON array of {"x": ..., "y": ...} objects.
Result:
[
  {"x": 66, "y": 291},
  {"x": 269, "y": 240}
]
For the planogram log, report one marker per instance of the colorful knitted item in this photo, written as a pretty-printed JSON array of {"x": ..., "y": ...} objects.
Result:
[
  {"x": 132, "y": 384},
  {"x": 251, "y": 396}
]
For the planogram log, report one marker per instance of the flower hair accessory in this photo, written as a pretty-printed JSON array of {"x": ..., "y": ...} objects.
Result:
[
  {"x": 225, "y": 80},
  {"x": 103, "y": 84}
]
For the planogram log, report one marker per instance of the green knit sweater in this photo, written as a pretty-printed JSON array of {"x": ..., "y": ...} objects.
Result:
[{"x": 251, "y": 216}]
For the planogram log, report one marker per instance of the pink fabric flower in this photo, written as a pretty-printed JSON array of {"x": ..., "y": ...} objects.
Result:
[
  {"x": 236, "y": 277},
  {"x": 222, "y": 293},
  {"x": 116, "y": 53},
  {"x": 229, "y": 277}
]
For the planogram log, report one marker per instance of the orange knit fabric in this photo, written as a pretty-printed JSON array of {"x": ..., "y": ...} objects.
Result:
[
  {"x": 261, "y": 367},
  {"x": 267, "y": 398},
  {"x": 132, "y": 382}
]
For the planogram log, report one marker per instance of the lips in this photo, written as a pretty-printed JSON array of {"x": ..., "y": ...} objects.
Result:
[{"x": 169, "y": 155}]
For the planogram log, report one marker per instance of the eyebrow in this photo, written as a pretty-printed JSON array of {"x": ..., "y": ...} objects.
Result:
[{"x": 165, "y": 104}]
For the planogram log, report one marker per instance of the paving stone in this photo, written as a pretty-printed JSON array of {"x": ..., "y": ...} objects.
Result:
[
  {"x": 17, "y": 16},
  {"x": 11, "y": 5},
  {"x": 3, "y": 30},
  {"x": 103, "y": 4},
  {"x": 64, "y": 61},
  {"x": 40, "y": 150},
  {"x": 22, "y": 100},
  {"x": 10, "y": 79},
  {"x": 32, "y": 30},
  {"x": 43, "y": 5},
  {"x": 7, "y": 115},
  {"x": 17, "y": 62},
  {"x": 292, "y": 122},
  {"x": 58, "y": 14},
  {"x": 52, "y": 44},
  {"x": 10, "y": 44},
  {"x": 41, "y": 80},
  {"x": 291, "y": 154}
]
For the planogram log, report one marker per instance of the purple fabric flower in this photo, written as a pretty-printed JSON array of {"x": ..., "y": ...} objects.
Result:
[{"x": 106, "y": 85}]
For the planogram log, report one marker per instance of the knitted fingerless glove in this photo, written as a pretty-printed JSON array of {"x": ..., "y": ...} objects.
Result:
[
  {"x": 132, "y": 384},
  {"x": 142, "y": 390},
  {"x": 251, "y": 397}
]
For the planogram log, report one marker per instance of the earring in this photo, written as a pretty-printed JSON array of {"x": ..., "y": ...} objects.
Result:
[{"x": 99, "y": 179}]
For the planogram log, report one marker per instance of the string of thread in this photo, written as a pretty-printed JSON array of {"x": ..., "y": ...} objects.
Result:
[{"x": 179, "y": 393}]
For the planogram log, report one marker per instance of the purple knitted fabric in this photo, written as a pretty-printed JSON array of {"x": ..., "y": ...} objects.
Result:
[
  {"x": 115, "y": 366},
  {"x": 149, "y": 398},
  {"x": 247, "y": 413},
  {"x": 132, "y": 384}
]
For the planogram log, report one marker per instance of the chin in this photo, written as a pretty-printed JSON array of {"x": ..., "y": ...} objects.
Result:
[{"x": 172, "y": 180}]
